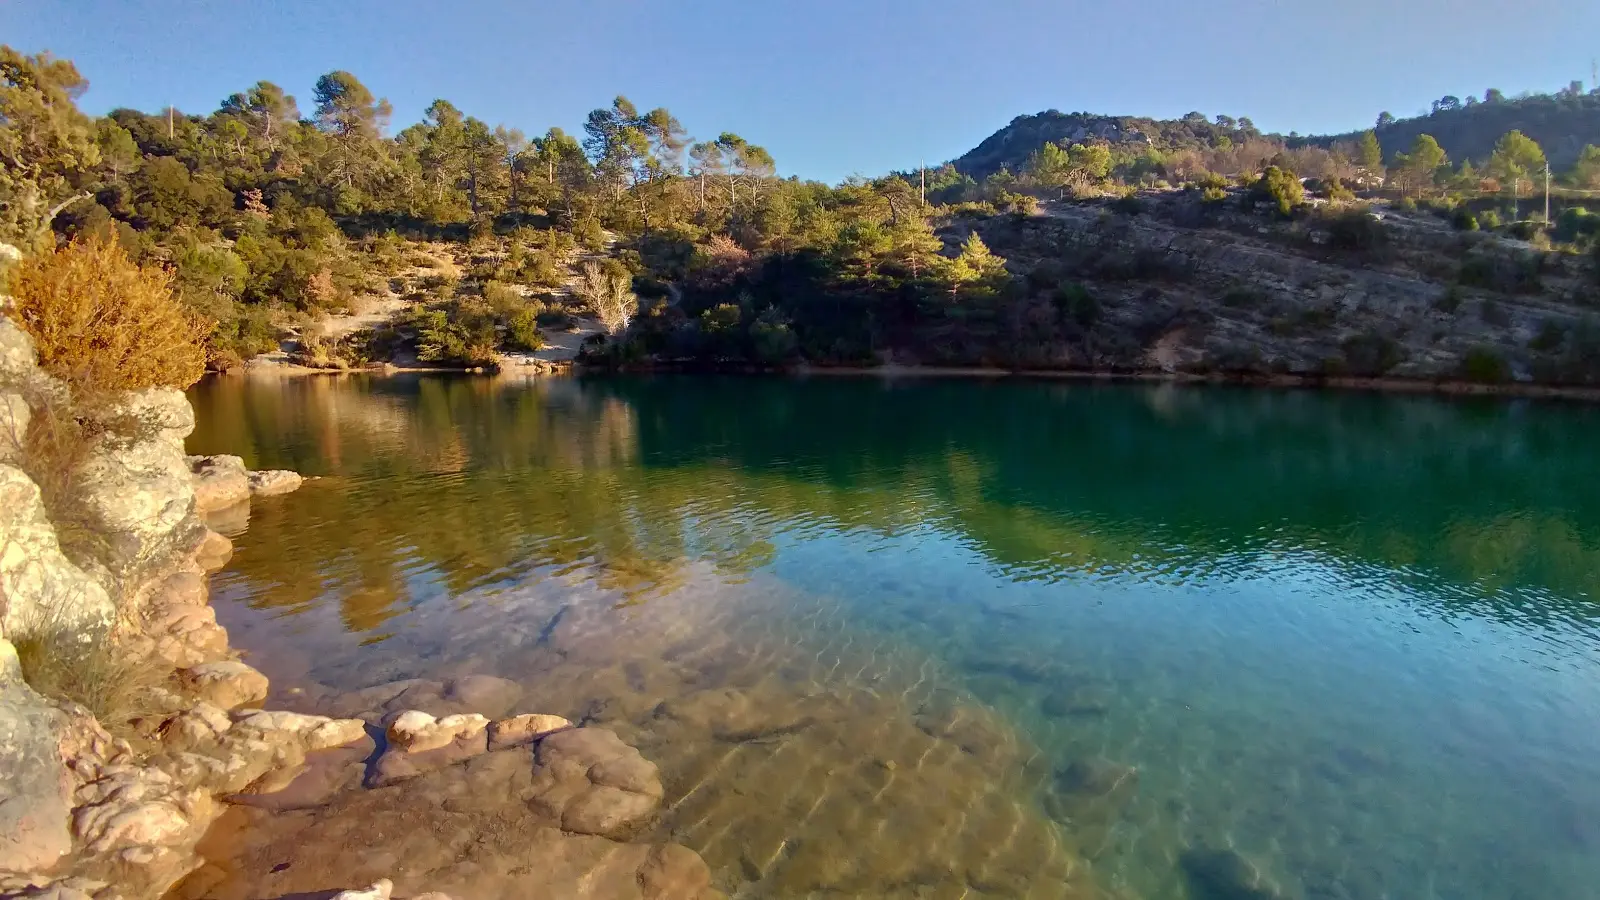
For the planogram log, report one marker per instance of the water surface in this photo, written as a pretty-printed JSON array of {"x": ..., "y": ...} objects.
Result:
[{"x": 1351, "y": 639}]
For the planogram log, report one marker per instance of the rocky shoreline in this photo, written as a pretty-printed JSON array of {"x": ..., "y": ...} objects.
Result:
[{"x": 88, "y": 813}]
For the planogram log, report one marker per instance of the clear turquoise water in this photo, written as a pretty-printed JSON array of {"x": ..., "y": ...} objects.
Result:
[{"x": 1352, "y": 637}]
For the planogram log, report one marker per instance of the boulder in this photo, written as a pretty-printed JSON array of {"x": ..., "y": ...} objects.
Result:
[
  {"x": 135, "y": 483},
  {"x": 593, "y": 783},
  {"x": 35, "y": 798},
  {"x": 228, "y": 684},
  {"x": 219, "y": 481},
  {"x": 40, "y": 589},
  {"x": 271, "y": 482},
  {"x": 415, "y": 731},
  {"x": 525, "y": 729}
]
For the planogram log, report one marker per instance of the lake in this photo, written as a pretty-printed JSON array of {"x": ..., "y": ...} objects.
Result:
[{"x": 974, "y": 637}]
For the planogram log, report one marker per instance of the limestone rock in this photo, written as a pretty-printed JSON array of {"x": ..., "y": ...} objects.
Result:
[
  {"x": 135, "y": 481},
  {"x": 382, "y": 889},
  {"x": 187, "y": 635},
  {"x": 40, "y": 589},
  {"x": 34, "y": 793},
  {"x": 271, "y": 482},
  {"x": 219, "y": 481},
  {"x": 181, "y": 589},
  {"x": 416, "y": 731},
  {"x": 524, "y": 729},
  {"x": 202, "y": 725},
  {"x": 213, "y": 551},
  {"x": 228, "y": 684},
  {"x": 313, "y": 732},
  {"x": 593, "y": 783}
]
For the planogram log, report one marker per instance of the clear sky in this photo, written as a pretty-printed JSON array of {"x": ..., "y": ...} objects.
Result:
[{"x": 831, "y": 87}]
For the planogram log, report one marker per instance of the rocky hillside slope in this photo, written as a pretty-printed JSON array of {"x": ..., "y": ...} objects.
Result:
[{"x": 1173, "y": 285}]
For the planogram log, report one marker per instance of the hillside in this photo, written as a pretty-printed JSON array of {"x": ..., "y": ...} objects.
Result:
[
  {"x": 1563, "y": 124},
  {"x": 1010, "y": 147}
]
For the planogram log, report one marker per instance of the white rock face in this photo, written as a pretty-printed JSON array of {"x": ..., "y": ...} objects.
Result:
[
  {"x": 39, "y": 587},
  {"x": 139, "y": 491}
]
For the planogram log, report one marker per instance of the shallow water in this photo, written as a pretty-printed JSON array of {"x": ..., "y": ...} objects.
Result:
[{"x": 1351, "y": 638}]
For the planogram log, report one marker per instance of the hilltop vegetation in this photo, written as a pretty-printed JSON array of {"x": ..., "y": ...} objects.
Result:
[
  {"x": 1563, "y": 123},
  {"x": 464, "y": 244}
]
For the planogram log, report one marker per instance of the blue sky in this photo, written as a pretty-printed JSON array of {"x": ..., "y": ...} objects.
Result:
[{"x": 831, "y": 87}]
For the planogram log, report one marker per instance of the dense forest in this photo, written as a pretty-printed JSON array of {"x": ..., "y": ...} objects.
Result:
[{"x": 269, "y": 216}]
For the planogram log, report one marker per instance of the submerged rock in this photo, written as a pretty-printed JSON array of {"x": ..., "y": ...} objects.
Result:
[
  {"x": 593, "y": 783},
  {"x": 1076, "y": 703},
  {"x": 1224, "y": 874},
  {"x": 228, "y": 684}
]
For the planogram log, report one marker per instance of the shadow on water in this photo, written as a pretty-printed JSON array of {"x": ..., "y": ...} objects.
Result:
[{"x": 1340, "y": 642}]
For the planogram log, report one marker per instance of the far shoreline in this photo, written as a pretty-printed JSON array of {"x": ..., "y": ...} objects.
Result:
[{"x": 1345, "y": 383}]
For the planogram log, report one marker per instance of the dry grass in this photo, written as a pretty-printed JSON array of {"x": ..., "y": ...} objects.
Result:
[
  {"x": 91, "y": 668},
  {"x": 102, "y": 322}
]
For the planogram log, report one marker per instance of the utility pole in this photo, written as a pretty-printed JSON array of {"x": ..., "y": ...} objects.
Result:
[
  {"x": 924, "y": 182},
  {"x": 169, "y": 121}
]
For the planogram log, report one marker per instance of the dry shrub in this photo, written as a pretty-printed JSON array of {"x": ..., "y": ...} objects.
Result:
[{"x": 103, "y": 323}]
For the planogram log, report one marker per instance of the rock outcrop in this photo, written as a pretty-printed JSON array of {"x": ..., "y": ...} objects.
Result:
[
  {"x": 136, "y": 485},
  {"x": 40, "y": 589},
  {"x": 222, "y": 481}
]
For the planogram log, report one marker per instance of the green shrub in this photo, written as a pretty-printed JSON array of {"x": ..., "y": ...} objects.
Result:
[
  {"x": 1371, "y": 353},
  {"x": 1406, "y": 204},
  {"x": 1279, "y": 187},
  {"x": 1492, "y": 312},
  {"x": 1450, "y": 300},
  {"x": 522, "y": 331},
  {"x": 1076, "y": 303},
  {"x": 1355, "y": 231},
  {"x": 1485, "y": 365},
  {"x": 1463, "y": 219},
  {"x": 1490, "y": 219},
  {"x": 1551, "y": 336}
]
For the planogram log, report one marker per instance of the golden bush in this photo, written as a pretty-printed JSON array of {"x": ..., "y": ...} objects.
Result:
[{"x": 102, "y": 322}]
